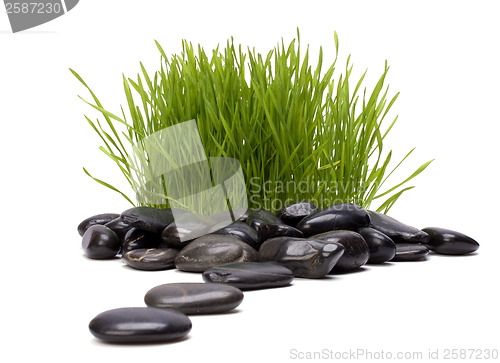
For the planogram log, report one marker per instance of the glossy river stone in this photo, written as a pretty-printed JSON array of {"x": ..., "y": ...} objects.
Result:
[
  {"x": 250, "y": 275},
  {"x": 410, "y": 252},
  {"x": 100, "y": 242},
  {"x": 338, "y": 217},
  {"x": 118, "y": 226},
  {"x": 382, "y": 248},
  {"x": 397, "y": 231},
  {"x": 151, "y": 259},
  {"x": 183, "y": 230},
  {"x": 269, "y": 226},
  {"x": 356, "y": 251},
  {"x": 97, "y": 219},
  {"x": 304, "y": 257},
  {"x": 212, "y": 250},
  {"x": 294, "y": 213},
  {"x": 140, "y": 325},
  {"x": 138, "y": 239},
  {"x": 243, "y": 232},
  {"x": 148, "y": 218},
  {"x": 194, "y": 298},
  {"x": 447, "y": 242}
]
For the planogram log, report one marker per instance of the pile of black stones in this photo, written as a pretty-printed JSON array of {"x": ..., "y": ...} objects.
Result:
[{"x": 260, "y": 250}]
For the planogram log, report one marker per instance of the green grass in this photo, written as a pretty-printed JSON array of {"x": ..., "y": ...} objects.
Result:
[{"x": 298, "y": 132}]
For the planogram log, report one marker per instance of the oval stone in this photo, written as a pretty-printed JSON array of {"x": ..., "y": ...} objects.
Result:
[
  {"x": 183, "y": 230},
  {"x": 382, "y": 248},
  {"x": 100, "y": 242},
  {"x": 410, "y": 252},
  {"x": 292, "y": 214},
  {"x": 356, "y": 251},
  {"x": 97, "y": 219},
  {"x": 212, "y": 250},
  {"x": 269, "y": 226},
  {"x": 151, "y": 259},
  {"x": 138, "y": 239},
  {"x": 148, "y": 218},
  {"x": 396, "y": 230},
  {"x": 140, "y": 325},
  {"x": 304, "y": 257},
  {"x": 194, "y": 298},
  {"x": 337, "y": 217},
  {"x": 447, "y": 242},
  {"x": 243, "y": 232},
  {"x": 250, "y": 275}
]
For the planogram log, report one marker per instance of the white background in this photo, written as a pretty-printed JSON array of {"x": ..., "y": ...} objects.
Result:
[{"x": 444, "y": 59}]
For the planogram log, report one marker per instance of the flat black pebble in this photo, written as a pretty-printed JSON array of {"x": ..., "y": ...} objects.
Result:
[
  {"x": 410, "y": 252},
  {"x": 447, "y": 242},
  {"x": 250, "y": 275},
  {"x": 184, "y": 229},
  {"x": 138, "y": 239},
  {"x": 97, "y": 219},
  {"x": 151, "y": 259},
  {"x": 243, "y": 232},
  {"x": 100, "y": 242},
  {"x": 148, "y": 218},
  {"x": 194, "y": 298},
  {"x": 396, "y": 230},
  {"x": 294, "y": 213},
  {"x": 212, "y": 250},
  {"x": 305, "y": 257},
  {"x": 382, "y": 248},
  {"x": 140, "y": 325},
  {"x": 337, "y": 217},
  {"x": 356, "y": 251}
]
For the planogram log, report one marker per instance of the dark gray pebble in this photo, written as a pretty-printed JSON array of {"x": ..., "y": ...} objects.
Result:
[
  {"x": 148, "y": 218},
  {"x": 212, "y": 250},
  {"x": 304, "y": 257},
  {"x": 269, "y": 226},
  {"x": 100, "y": 242},
  {"x": 250, "y": 275},
  {"x": 382, "y": 248},
  {"x": 356, "y": 251},
  {"x": 118, "y": 226},
  {"x": 448, "y": 242},
  {"x": 97, "y": 219},
  {"x": 337, "y": 217},
  {"x": 410, "y": 252},
  {"x": 396, "y": 230},
  {"x": 243, "y": 232},
  {"x": 151, "y": 259},
  {"x": 138, "y": 239},
  {"x": 194, "y": 298},
  {"x": 294, "y": 213},
  {"x": 140, "y": 325}
]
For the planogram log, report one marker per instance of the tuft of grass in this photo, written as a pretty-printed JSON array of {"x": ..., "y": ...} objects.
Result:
[{"x": 298, "y": 133}]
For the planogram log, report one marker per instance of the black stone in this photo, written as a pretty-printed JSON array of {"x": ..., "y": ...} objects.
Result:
[
  {"x": 294, "y": 213},
  {"x": 269, "y": 226},
  {"x": 138, "y": 239},
  {"x": 337, "y": 217},
  {"x": 148, "y": 218},
  {"x": 243, "y": 232},
  {"x": 100, "y": 242},
  {"x": 118, "y": 226},
  {"x": 194, "y": 298},
  {"x": 250, "y": 275},
  {"x": 382, "y": 248},
  {"x": 396, "y": 230},
  {"x": 212, "y": 250},
  {"x": 184, "y": 229},
  {"x": 410, "y": 252},
  {"x": 243, "y": 218},
  {"x": 140, "y": 325},
  {"x": 151, "y": 259},
  {"x": 305, "y": 257},
  {"x": 97, "y": 219},
  {"x": 447, "y": 242},
  {"x": 356, "y": 251}
]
